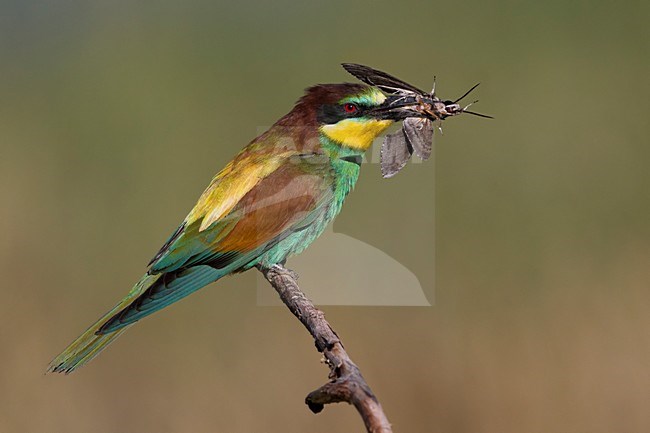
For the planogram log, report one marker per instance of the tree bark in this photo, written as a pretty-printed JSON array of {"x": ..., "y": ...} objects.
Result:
[{"x": 346, "y": 382}]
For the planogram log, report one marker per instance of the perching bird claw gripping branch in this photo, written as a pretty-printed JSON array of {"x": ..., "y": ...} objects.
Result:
[{"x": 346, "y": 382}]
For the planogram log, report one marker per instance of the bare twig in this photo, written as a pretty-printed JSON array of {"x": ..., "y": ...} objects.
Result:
[{"x": 346, "y": 383}]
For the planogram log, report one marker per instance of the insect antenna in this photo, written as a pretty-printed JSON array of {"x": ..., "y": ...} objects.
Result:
[
  {"x": 473, "y": 113},
  {"x": 467, "y": 93}
]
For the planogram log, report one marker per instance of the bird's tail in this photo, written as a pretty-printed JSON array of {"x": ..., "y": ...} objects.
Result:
[{"x": 89, "y": 344}]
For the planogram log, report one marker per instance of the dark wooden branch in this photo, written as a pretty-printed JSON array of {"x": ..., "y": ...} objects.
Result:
[{"x": 346, "y": 383}]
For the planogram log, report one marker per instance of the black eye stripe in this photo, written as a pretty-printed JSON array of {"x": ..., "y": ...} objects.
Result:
[{"x": 329, "y": 114}]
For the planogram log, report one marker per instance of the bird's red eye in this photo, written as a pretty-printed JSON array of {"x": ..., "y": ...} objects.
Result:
[{"x": 350, "y": 108}]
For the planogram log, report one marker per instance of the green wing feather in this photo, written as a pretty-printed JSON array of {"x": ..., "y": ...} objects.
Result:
[{"x": 282, "y": 204}]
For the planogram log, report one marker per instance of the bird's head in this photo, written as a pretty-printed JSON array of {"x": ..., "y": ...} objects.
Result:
[{"x": 350, "y": 115}]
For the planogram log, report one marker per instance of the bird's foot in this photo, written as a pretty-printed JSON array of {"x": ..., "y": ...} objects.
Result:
[{"x": 281, "y": 269}]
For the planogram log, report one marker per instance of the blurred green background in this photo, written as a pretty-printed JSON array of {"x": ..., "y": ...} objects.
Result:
[{"x": 114, "y": 115}]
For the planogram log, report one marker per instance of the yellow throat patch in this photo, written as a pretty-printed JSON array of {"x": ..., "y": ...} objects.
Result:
[{"x": 357, "y": 133}]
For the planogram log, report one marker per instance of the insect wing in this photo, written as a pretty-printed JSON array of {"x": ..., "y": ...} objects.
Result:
[
  {"x": 419, "y": 133},
  {"x": 395, "y": 153},
  {"x": 382, "y": 80}
]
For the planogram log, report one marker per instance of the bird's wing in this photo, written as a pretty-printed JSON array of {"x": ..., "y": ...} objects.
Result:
[
  {"x": 248, "y": 208},
  {"x": 226, "y": 189},
  {"x": 284, "y": 202}
]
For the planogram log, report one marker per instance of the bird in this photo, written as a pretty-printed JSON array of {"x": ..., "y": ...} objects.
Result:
[{"x": 271, "y": 201}]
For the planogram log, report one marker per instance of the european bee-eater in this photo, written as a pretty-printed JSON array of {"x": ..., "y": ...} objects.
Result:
[{"x": 271, "y": 201}]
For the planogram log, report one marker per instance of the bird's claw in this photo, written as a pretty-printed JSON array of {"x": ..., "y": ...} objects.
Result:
[{"x": 281, "y": 269}]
